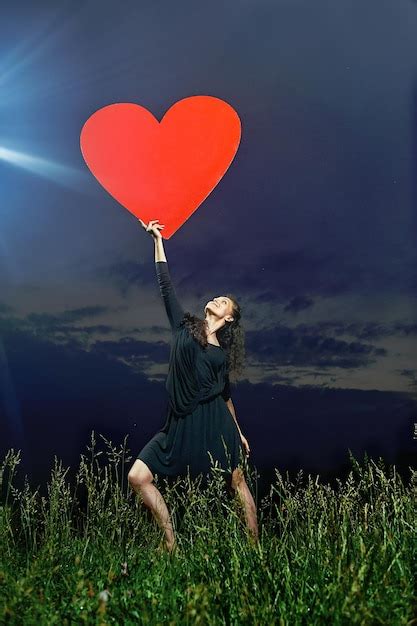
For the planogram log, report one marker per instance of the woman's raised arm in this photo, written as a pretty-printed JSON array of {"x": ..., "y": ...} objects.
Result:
[
  {"x": 153, "y": 229},
  {"x": 173, "y": 307},
  {"x": 159, "y": 250}
]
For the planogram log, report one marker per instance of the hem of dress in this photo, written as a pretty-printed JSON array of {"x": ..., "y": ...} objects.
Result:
[{"x": 144, "y": 460}]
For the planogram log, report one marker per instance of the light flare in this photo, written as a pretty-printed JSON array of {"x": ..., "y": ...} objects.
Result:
[{"x": 61, "y": 174}]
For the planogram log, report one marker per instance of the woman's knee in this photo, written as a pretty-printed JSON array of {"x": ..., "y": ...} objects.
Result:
[
  {"x": 238, "y": 478},
  {"x": 139, "y": 474}
]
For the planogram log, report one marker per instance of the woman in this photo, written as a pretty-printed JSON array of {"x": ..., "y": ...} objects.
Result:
[{"x": 201, "y": 423}]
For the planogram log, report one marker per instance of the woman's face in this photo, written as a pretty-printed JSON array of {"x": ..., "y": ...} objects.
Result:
[{"x": 221, "y": 307}]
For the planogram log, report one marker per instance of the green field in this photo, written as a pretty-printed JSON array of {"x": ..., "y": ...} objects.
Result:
[{"x": 84, "y": 552}]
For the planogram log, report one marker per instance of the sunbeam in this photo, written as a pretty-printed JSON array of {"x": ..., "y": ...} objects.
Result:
[{"x": 60, "y": 174}]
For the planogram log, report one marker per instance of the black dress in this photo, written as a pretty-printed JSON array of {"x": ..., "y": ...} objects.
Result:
[{"x": 199, "y": 422}]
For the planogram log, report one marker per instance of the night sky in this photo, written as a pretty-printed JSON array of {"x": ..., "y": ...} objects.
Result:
[{"x": 313, "y": 227}]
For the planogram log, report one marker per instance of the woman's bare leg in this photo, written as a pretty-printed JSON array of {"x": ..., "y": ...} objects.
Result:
[
  {"x": 247, "y": 502},
  {"x": 140, "y": 479}
]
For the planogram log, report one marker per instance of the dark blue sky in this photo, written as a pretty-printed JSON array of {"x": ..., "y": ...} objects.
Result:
[{"x": 313, "y": 226}]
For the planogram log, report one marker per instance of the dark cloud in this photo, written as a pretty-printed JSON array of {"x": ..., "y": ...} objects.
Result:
[
  {"x": 299, "y": 303},
  {"x": 292, "y": 346},
  {"x": 251, "y": 283},
  {"x": 271, "y": 279},
  {"x": 53, "y": 328},
  {"x": 402, "y": 328},
  {"x": 303, "y": 345},
  {"x": 409, "y": 373},
  {"x": 126, "y": 274},
  {"x": 60, "y": 319},
  {"x": 11, "y": 323},
  {"x": 138, "y": 354},
  {"x": 360, "y": 330},
  {"x": 411, "y": 376},
  {"x": 5, "y": 309}
]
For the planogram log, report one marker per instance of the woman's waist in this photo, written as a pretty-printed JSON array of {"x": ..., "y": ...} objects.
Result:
[{"x": 209, "y": 397}]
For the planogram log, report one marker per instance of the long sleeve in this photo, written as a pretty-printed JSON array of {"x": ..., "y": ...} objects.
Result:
[
  {"x": 226, "y": 389},
  {"x": 173, "y": 308}
]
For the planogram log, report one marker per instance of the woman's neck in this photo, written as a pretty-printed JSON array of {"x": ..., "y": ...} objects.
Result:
[{"x": 211, "y": 332}]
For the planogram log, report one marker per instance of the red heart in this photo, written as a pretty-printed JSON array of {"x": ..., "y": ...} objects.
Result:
[{"x": 161, "y": 170}]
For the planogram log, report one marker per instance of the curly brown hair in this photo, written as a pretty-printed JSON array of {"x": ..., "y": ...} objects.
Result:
[{"x": 231, "y": 337}]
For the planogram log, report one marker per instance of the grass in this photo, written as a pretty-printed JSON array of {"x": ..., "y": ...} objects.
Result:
[{"x": 85, "y": 551}]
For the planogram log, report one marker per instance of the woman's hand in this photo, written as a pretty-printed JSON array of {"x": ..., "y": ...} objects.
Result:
[
  {"x": 245, "y": 444},
  {"x": 152, "y": 228}
]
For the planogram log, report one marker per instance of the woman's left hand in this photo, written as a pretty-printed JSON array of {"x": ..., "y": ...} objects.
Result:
[{"x": 245, "y": 444}]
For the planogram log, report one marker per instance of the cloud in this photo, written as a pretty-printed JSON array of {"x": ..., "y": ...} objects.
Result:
[
  {"x": 139, "y": 354},
  {"x": 299, "y": 303},
  {"x": 361, "y": 330},
  {"x": 404, "y": 328},
  {"x": 60, "y": 319},
  {"x": 305, "y": 345},
  {"x": 5, "y": 309},
  {"x": 283, "y": 345},
  {"x": 273, "y": 278},
  {"x": 411, "y": 375},
  {"x": 126, "y": 274}
]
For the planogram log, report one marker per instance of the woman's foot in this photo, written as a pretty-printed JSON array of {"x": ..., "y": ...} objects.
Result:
[
  {"x": 253, "y": 538},
  {"x": 169, "y": 547}
]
